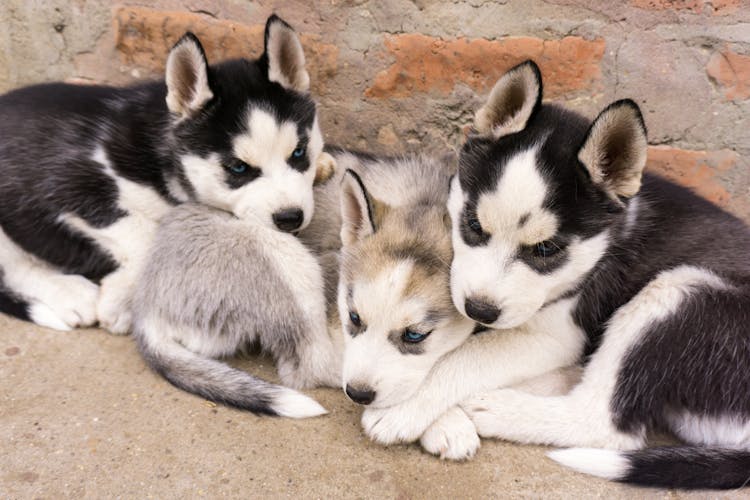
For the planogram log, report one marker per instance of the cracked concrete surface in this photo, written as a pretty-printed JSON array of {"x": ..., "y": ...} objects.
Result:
[{"x": 83, "y": 417}]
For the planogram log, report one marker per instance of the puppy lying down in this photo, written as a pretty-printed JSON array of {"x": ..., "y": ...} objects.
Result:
[{"x": 215, "y": 284}]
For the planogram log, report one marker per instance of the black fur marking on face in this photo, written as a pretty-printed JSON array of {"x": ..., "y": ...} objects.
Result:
[
  {"x": 470, "y": 228},
  {"x": 396, "y": 338},
  {"x": 539, "y": 261},
  {"x": 299, "y": 160},
  {"x": 238, "y": 173}
]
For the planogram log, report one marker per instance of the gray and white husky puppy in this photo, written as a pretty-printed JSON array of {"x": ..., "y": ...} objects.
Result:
[
  {"x": 86, "y": 172},
  {"x": 214, "y": 285}
]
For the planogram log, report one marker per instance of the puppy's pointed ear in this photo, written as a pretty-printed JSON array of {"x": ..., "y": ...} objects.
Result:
[
  {"x": 360, "y": 213},
  {"x": 285, "y": 57},
  {"x": 512, "y": 101},
  {"x": 614, "y": 152},
  {"x": 188, "y": 88}
]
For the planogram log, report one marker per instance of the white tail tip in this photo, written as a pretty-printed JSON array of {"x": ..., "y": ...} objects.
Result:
[
  {"x": 293, "y": 404},
  {"x": 609, "y": 464}
]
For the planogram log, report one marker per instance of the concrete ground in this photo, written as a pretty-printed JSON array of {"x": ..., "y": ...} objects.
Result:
[{"x": 82, "y": 416}]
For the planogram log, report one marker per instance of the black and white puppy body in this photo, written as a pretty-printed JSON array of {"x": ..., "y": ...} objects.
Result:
[
  {"x": 88, "y": 171},
  {"x": 552, "y": 213}
]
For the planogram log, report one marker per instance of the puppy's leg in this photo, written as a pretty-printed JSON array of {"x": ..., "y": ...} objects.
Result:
[
  {"x": 584, "y": 417},
  {"x": 55, "y": 300},
  {"x": 114, "y": 307},
  {"x": 486, "y": 361},
  {"x": 554, "y": 383},
  {"x": 452, "y": 436},
  {"x": 307, "y": 353},
  {"x": 128, "y": 241}
]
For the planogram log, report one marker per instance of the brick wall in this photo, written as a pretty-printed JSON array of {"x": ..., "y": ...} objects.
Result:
[{"x": 394, "y": 75}]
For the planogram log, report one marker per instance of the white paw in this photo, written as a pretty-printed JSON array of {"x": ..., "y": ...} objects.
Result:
[
  {"x": 64, "y": 302},
  {"x": 452, "y": 436},
  {"x": 393, "y": 425},
  {"x": 483, "y": 412},
  {"x": 113, "y": 308}
]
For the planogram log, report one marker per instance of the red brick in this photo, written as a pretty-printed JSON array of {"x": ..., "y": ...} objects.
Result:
[
  {"x": 698, "y": 170},
  {"x": 720, "y": 7},
  {"x": 732, "y": 72},
  {"x": 144, "y": 36},
  {"x": 426, "y": 64}
]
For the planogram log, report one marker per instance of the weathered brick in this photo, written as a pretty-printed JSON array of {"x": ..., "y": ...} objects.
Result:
[
  {"x": 732, "y": 72},
  {"x": 698, "y": 170},
  {"x": 720, "y": 7},
  {"x": 144, "y": 36},
  {"x": 427, "y": 64}
]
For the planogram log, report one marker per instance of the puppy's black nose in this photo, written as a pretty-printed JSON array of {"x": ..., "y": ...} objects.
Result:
[
  {"x": 482, "y": 311},
  {"x": 289, "y": 219},
  {"x": 361, "y": 395}
]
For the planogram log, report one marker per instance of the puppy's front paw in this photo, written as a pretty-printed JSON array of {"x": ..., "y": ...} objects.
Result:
[
  {"x": 113, "y": 308},
  {"x": 452, "y": 436},
  {"x": 392, "y": 425},
  {"x": 482, "y": 409},
  {"x": 66, "y": 301}
]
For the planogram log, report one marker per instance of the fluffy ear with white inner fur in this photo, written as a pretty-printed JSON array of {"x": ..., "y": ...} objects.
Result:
[
  {"x": 286, "y": 59},
  {"x": 512, "y": 101},
  {"x": 614, "y": 152},
  {"x": 358, "y": 209},
  {"x": 188, "y": 88}
]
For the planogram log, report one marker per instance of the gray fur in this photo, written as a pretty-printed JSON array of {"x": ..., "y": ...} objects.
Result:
[{"x": 213, "y": 284}]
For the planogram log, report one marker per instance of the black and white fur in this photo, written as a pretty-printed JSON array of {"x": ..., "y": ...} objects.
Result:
[
  {"x": 86, "y": 172},
  {"x": 551, "y": 213}
]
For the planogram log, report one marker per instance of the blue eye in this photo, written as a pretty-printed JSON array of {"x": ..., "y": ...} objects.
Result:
[
  {"x": 546, "y": 248},
  {"x": 413, "y": 337},
  {"x": 298, "y": 153},
  {"x": 355, "y": 319},
  {"x": 474, "y": 224},
  {"x": 238, "y": 168}
]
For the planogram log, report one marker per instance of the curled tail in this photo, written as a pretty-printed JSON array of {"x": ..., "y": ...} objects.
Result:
[
  {"x": 219, "y": 382},
  {"x": 684, "y": 467}
]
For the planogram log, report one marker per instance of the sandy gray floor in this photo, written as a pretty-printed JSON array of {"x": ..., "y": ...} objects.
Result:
[{"x": 81, "y": 416}]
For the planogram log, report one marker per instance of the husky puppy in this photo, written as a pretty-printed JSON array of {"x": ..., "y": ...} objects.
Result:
[
  {"x": 86, "y": 172},
  {"x": 215, "y": 284},
  {"x": 554, "y": 223}
]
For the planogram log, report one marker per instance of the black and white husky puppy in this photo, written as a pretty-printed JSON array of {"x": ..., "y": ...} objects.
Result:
[
  {"x": 550, "y": 210},
  {"x": 86, "y": 172}
]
